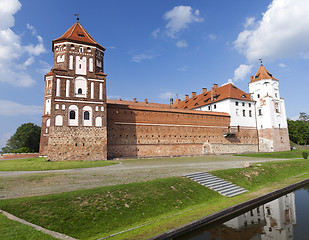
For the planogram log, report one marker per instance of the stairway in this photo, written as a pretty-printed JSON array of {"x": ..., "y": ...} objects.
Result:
[{"x": 219, "y": 185}]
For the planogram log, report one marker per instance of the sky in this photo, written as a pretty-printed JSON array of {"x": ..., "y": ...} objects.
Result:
[{"x": 155, "y": 49}]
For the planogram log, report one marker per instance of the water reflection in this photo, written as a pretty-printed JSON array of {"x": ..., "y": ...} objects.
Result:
[{"x": 273, "y": 220}]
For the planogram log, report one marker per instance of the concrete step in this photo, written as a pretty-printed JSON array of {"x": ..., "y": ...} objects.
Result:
[{"x": 219, "y": 185}]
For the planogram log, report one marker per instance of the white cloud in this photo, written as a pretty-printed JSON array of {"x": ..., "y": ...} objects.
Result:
[
  {"x": 282, "y": 65},
  {"x": 43, "y": 68},
  {"x": 181, "y": 43},
  {"x": 249, "y": 22},
  {"x": 10, "y": 108},
  {"x": 141, "y": 57},
  {"x": 183, "y": 69},
  {"x": 7, "y": 9},
  {"x": 15, "y": 58},
  {"x": 4, "y": 138},
  {"x": 156, "y": 32},
  {"x": 228, "y": 82},
  {"x": 242, "y": 72},
  {"x": 282, "y": 32},
  {"x": 212, "y": 36},
  {"x": 179, "y": 18},
  {"x": 167, "y": 95}
]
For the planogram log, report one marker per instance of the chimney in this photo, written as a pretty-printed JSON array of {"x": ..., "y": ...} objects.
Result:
[
  {"x": 215, "y": 87},
  {"x": 186, "y": 97},
  {"x": 193, "y": 94},
  {"x": 120, "y": 99},
  {"x": 135, "y": 100},
  {"x": 171, "y": 102},
  {"x": 213, "y": 90},
  {"x": 146, "y": 100},
  {"x": 251, "y": 78},
  {"x": 204, "y": 90}
]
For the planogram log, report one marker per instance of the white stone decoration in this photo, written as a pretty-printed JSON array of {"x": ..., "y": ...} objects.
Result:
[
  {"x": 87, "y": 116},
  {"x": 73, "y": 120},
  {"x": 58, "y": 120},
  {"x": 98, "y": 121},
  {"x": 80, "y": 65}
]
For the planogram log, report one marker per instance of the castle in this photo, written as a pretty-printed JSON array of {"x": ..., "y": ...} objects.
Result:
[{"x": 80, "y": 123}]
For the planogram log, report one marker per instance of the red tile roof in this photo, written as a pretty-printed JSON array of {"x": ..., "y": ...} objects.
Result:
[
  {"x": 212, "y": 96},
  {"x": 262, "y": 73},
  {"x": 77, "y": 33},
  {"x": 160, "y": 107},
  {"x": 50, "y": 73}
]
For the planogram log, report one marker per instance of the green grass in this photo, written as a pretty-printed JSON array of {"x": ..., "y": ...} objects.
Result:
[
  {"x": 11, "y": 230},
  {"x": 259, "y": 175},
  {"x": 40, "y": 164},
  {"x": 98, "y": 212},
  {"x": 296, "y": 153}
]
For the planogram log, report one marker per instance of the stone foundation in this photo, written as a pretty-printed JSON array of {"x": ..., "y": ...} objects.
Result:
[{"x": 77, "y": 144}]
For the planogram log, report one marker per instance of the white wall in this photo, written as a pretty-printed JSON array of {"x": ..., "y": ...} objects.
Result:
[{"x": 229, "y": 106}]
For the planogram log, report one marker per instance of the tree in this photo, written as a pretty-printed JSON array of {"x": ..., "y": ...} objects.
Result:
[
  {"x": 303, "y": 117},
  {"x": 25, "y": 139}
]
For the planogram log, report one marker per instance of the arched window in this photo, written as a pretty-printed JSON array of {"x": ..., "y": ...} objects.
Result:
[
  {"x": 80, "y": 87},
  {"x": 86, "y": 115},
  {"x": 72, "y": 114},
  {"x": 98, "y": 122},
  {"x": 79, "y": 91}
]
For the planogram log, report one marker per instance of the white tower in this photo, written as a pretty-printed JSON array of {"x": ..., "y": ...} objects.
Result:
[{"x": 270, "y": 112}]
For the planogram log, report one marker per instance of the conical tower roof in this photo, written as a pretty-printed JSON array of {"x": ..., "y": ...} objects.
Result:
[
  {"x": 262, "y": 74},
  {"x": 78, "y": 34}
]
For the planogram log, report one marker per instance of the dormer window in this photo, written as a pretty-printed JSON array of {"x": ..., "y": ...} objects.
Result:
[{"x": 80, "y": 34}]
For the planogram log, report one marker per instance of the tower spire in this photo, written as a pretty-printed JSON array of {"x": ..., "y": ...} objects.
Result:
[
  {"x": 261, "y": 61},
  {"x": 76, "y": 15}
]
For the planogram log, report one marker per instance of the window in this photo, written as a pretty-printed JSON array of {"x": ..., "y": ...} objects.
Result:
[
  {"x": 258, "y": 96},
  {"x": 250, "y": 113},
  {"x": 249, "y": 104},
  {"x": 86, "y": 115},
  {"x": 81, "y": 49},
  {"x": 260, "y": 112},
  {"x": 244, "y": 113},
  {"x": 237, "y": 112},
  {"x": 209, "y": 108},
  {"x": 72, "y": 114},
  {"x": 215, "y": 106},
  {"x": 243, "y": 104},
  {"x": 276, "y": 95},
  {"x": 80, "y": 91},
  {"x": 236, "y": 103}
]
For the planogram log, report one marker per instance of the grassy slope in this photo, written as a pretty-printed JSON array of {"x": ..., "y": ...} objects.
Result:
[
  {"x": 11, "y": 230},
  {"x": 39, "y": 164},
  {"x": 287, "y": 154},
  {"x": 88, "y": 214},
  {"x": 99, "y": 212}
]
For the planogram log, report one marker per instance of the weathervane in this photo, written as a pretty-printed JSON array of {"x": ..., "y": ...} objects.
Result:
[
  {"x": 76, "y": 15},
  {"x": 261, "y": 61}
]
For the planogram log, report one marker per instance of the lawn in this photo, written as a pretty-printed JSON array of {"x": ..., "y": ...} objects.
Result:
[
  {"x": 40, "y": 164},
  {"x": 296, "y": 153},
  {"x": 96, "y": 213},
  {"x": 99, "y": 212},
  {"x": 11, "y": 230}
]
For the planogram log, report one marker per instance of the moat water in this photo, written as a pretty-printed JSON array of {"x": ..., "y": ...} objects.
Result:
[{"x": 285, "y": 218}]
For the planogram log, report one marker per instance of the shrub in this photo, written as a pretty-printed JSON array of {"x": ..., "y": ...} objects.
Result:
[{"x": 305, "y": 155}]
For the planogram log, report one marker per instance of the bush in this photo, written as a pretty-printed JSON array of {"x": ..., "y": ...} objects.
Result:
[
  {"x": 22, "y": 150},
  {"x": 305, "y": 155}
]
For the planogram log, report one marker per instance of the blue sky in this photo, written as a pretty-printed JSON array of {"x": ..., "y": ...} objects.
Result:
[{"x": 155, "y": 49}]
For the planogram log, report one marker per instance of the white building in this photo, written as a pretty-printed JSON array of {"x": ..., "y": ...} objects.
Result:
[{"x": 261, "y": 109}]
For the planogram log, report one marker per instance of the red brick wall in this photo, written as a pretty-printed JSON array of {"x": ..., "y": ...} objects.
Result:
[
  {"x": 18, "y": 155},
  {"x": 143, "y": 132}
]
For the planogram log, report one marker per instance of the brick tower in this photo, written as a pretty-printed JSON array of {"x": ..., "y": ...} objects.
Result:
[
  {"x": 74, "y": 118},
  {"x": 270, "y": 112}
]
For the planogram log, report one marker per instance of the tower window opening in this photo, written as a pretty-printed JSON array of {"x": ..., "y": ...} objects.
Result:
[
  {"x": 80, "y": 66},
  {"x": 258, "y": 96},
  {"x": 236, "y": 103},
  {"x": 81, "y": 49},
  {"x": 260, "y": 112},
  {"x": 80, "y": 91},
  {"x": 86, "y": 115},
  {"x": 72, "y": 114}
]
